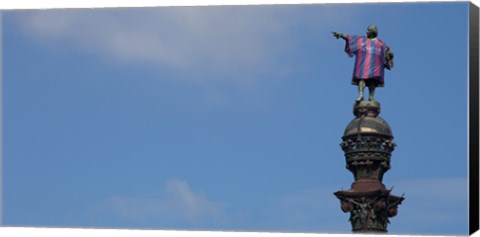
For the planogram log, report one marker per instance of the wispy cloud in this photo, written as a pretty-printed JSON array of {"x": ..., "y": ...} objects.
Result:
[
  {"x": 175, "y": 206},
  {"x": 237, "y": 39},
  {"x": 179, "y": 37},
  {"x": 225, "y": 52}
]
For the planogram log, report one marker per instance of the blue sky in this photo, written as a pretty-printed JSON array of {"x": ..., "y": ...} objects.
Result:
[{"x": 226, "y": 118}]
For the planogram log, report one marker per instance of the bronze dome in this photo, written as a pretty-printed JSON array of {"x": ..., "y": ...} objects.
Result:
[
  {"x": 368, "y": 125},
  {"x": 367, "y": 120}
]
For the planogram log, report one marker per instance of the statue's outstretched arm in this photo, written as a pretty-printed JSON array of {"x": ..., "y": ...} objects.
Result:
[{"x": 339, "y": 35}]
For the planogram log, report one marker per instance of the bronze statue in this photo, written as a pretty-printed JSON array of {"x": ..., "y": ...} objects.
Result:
[{"x": 372, "y": 57}]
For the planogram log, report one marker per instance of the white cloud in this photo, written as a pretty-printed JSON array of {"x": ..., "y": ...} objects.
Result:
[
  {"x": 176, "y": 205},
  {"x": 234, "y": 38},
  {"x": 181, "y": 37},
  {"x": 227, "y": 53}
]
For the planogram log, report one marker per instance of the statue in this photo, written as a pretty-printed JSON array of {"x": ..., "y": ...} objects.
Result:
[{"x": 372, "y": 57}]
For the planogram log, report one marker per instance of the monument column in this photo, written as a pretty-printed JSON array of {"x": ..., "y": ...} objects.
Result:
[{"x": 368, "y": 143}]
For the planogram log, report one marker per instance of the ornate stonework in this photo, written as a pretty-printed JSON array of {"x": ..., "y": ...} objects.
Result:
[{"x": 368, "y": 143}]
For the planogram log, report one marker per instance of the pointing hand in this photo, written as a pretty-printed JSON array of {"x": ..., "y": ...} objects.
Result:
[{"x": 337, "y": 34}]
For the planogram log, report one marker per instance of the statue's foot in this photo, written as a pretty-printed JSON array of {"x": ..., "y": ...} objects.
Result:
[{"x": 360, "y": 98}]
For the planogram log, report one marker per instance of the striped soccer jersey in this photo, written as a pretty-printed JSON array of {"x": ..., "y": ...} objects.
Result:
[{"x": 370, "y": 57}]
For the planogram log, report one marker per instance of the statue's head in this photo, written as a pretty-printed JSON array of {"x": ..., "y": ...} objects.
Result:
[{"x": 372, "y": 31}]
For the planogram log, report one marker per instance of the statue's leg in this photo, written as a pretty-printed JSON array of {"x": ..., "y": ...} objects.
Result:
[
  {"x": 371, "y": 89},
  {"x": 361, "y": 87}
]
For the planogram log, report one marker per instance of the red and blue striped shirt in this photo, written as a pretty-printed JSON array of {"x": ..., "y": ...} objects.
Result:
[{"x": 370, "y": 57}]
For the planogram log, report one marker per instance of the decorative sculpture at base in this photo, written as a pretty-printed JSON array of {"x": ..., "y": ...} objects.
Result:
[{"x": 369, "y": 211}]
